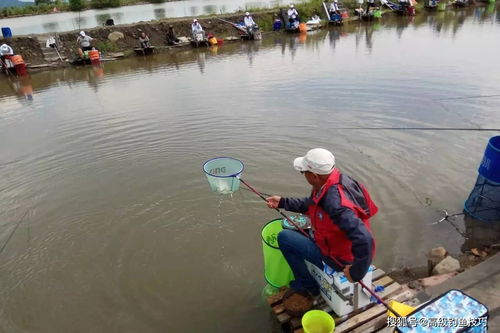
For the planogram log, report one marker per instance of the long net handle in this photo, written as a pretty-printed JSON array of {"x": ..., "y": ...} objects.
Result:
[
  {"x": 342, "y": 266},
  {"x": 277, "y": 209}
]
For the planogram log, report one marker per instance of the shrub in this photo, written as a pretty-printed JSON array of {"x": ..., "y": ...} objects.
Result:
[{"x": 76, "y": 5}]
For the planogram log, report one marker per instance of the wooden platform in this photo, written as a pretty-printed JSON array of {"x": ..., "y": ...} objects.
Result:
[{"x": 372, "y": 318}]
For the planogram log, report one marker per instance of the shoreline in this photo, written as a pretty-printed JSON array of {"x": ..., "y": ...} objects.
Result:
[
  {"x": 66, "y": 10},
  {"x": 416, "y": 277},
  {"x": 38, "y": 57},
  {"x": 32, "y": 47}
]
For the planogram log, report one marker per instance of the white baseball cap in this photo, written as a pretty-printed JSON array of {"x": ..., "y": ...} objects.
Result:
[
  {"x": 247, "y": 13},
  {"x": 195, "y": 20},
  {"x": 318, "y": 160},
  {"x": 291, "y": 6},
  {"x": 82, "y": 33}
]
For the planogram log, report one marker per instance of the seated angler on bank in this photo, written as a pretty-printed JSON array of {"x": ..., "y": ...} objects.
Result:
[{"x": 339, "y": 208}]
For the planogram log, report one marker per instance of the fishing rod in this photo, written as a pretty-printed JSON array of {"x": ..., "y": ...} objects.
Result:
[
  {"x": 277, "y": 209},
  {"x": 266, "y": 194},
  {"x": 233, "y": 24},
  {"x": 4, "y": 65},
  {"x": 225, "y": 21},
  {"x": 342, "y": 266}
]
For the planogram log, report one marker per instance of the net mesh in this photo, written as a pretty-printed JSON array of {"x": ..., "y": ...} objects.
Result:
[
  {"x": 222, "y": 174},
  {"x": 484, "y": 200}
]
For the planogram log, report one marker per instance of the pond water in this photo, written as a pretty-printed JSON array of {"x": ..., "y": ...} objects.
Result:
[
  {"x": 122, "y": 232},
  {"x": 67, "y": 21}
]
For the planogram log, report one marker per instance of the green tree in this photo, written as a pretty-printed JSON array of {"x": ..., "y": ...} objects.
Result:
[
  {"x": 98, "y": 3},
  {"x": 114, "y": 3},
  {"x": 104, "y": 3},
  {"x": 76, "y": 5}
]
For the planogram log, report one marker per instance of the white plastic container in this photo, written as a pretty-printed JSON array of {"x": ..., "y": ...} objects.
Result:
[{"x": 341, "y": 295}]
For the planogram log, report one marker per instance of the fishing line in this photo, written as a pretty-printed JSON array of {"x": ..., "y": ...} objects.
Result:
[
  {"x": 446, "y": 217},
  {"x": 466, "y": 97},
  {"x": 420, "y": 129},
  {"x": 13, "y": 231}
]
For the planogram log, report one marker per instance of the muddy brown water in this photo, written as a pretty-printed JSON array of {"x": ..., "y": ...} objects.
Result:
[{"x": 122, "y": 232}]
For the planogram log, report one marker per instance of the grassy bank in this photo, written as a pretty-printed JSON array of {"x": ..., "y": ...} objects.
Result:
[
  {"x": 33, "y": 10},
  {"x": 306, "y": 9},
  {"x": 77, "y": 5}
]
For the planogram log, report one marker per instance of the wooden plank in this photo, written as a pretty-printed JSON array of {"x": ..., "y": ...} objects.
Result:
[
  {"x": 283, "y": 318},
  {"x": 369, "y": 314},
  {"x": 278, "y": 308},
  {"x": 385, "y": 281},
  {"x": 377, "y": 274},
  {"x": 390, "y": 290},
  {"x": 360, "y": 319},
  {"x": 276, "y": 298},
  {"x": 373, "y": 325},
  {"x": 354, "y": 313}
]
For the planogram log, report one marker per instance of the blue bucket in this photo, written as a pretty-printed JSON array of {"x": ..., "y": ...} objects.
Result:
[
  {"x": 490, "y": 165},
  {"x": 6, "y": 32}
]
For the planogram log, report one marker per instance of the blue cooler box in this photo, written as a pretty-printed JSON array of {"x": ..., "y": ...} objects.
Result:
[{"x": 452, "y": 312}]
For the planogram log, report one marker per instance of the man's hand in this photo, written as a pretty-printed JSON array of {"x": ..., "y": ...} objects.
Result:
[
  {"x": 272, "y": 202},
  {"x": 347, "y": 274}
]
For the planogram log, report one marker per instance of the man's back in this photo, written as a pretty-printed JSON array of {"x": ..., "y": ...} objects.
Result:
[
  {"x": 249, "y": 21},
  {"x": 84, "y": 41}
]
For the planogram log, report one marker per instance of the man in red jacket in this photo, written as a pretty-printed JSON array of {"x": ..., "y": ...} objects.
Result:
[{"x": 339, "y": 208}]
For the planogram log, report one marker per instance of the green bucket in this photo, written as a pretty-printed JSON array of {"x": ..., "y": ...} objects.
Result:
[
  {"x": 276, "y": 269},
  {"x": 377, "y": 14}
]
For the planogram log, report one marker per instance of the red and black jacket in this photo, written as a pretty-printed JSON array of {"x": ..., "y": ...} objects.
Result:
[{"x": 340, "y": 214}]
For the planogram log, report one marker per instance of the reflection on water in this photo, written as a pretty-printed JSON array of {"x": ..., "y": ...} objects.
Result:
[
  {"x": 102, "y": 18},
  {"x": 159, "y": 13},
  {"x": 79, "y": 23},
  {"x": 193, "y": 11},
  {"x": 51, "y": 26},
  {"x": 21, "y": 86},
  {"x": 123, "y": 233},
  {"x": 210, "y": 9}
]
